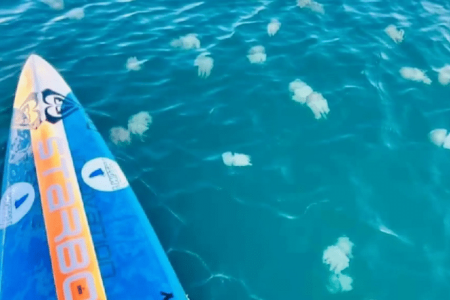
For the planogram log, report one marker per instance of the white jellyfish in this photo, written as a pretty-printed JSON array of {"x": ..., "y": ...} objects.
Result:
[
  {"x": 120, "y": 136},
  {"x": 440, "y": 137},
  {"x": 318, "y": 104},
  {"x": 312, "y": 5},
  {"x": 316, "y": 7},
  {"x": 301, "y": 94},
  {"x": 189, "y": 41},
  {"x": 415, "y": 74},
  {"x": 236, "y": 159},
  {"x": 444, "y": 75},
  {"x": 303, "y": 3},
  {"x": 395, "y": 34},
  {"x": 204, "y": 64},
  {"x": 76, "y": 13},
  {"x": 139, "y": 123},
  {"x": 337, "y": 257},
  {"x": 55, "y": 4},
  {"x": 257, "y": 55},
  {"x": 296, "y": 84},
  {"x": 133, "y": 64},
  {"x": 340, "y": 283},
  {"x": 273, "y": 27}
]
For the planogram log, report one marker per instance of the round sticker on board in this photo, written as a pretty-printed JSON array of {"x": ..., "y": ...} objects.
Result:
[
  {"x": 104, "y": 174},
  {"x": 16, "y": 202}
]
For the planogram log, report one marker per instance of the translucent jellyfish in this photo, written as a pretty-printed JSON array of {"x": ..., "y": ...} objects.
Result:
[
  {"x": 133, "y": 64},
  {"x": 340, "y": 283},
  {"x": 444, "y": 75},
  {"x": 440, "y": 137},
  {"x": 55, "y": 4},
  {"x": 120, "y": 136},
  {"x": 318, "y": 104},
  {"x": 257, "y": 55},
  {"x": 296, "y": 84},
  {"x": 76, "y": 13},
  {"x": 139, "y": 123},
  {"x": 303, "y": 3},
  {"x": 273, "y": 27},
  {"x": 395, "y": 34},
  {"x": 316, "y": 7},
  {"x": 236, "y": 159},
  {"x": 345, "y": 245},
  {"x": 189, "y": 41},
  {"x": 336, "y": 259},
  {"x": 204, "y": 64},
  {"x": 414, "y": 74},
  {"x": 312, "y": 5},
  {"x": 301, "y": 94}
]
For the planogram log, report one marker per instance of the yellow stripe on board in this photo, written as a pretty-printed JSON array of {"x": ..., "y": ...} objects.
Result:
[{"x": 75, "y": 267}]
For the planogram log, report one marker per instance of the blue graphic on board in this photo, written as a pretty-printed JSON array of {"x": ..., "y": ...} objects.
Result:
[{"x": 132, "y": 262}]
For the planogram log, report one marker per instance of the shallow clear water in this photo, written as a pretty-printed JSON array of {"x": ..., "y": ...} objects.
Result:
[{"x": 259, "y": 232}]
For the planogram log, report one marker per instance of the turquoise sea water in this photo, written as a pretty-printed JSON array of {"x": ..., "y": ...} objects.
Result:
[{"x": 367, "y": 172}]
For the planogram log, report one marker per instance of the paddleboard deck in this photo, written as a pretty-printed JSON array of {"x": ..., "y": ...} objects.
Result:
[{"x": 70, "y": 225}]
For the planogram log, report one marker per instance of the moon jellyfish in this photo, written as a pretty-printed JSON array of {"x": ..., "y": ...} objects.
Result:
[
  {"x": 303, "y": 3},
  {"x": 395, "y": 34},
  {"x": 120, "y": 136},
  {"x": 189, "y": 41},
  {"x": 444, "y": 75},
  {"x": 414, "y": 74},
  {"x": 55, "y": 4},
  {"x": 318, "y": 104},
  {"x": 440, "y": 137},
  {"x": 257, "y": 55},
  {"x": 273, "y": 27},
  {"x": 236, "y": 159},
  {"x": 340, "y": 283},
  {"x": 133, "y": 64},
  {"x": 301, "y": 94},
  {"x": 204, "y": 64},
  {"x": 76, "y": 13},
  {"x": 338, "y": 258},
  {"x": 139, "y": 123},
  {"x": 296, "y": 84},
  {"x": 312, "y": 5}
]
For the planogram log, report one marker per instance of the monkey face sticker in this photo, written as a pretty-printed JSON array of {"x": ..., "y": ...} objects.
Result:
[{"x": 49, "y": 106}]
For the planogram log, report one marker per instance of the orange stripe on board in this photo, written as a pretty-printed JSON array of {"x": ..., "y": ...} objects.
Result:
[{"x": 74, "y": 262}]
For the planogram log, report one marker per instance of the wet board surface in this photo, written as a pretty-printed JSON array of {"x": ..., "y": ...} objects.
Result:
[{"x": 71, "y": 226}]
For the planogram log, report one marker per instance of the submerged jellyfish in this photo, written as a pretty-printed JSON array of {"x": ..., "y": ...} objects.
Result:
[
  {"x": 133, "y": 64},
  {"x": 120, "y": 136},
  {"x": 414, "y": 74},
  {"x": 395, "y": 34},
  {"x": 312, "y": 5},
  {"x": 340, "y": 283},
  {"x": 236, "y": 159},
  {"x": 55, "y": 4},
  {"x": 296, "y": 84},
  {"x": 440, "y": 137},
  {"x": 189, "y": 41},
  {"x": 273, "y": 27},
  {"x": 303, "y": 3},
  {"x": 444, "y": 75},
  {"x": 316, "y": 7},
  {"x": 139, "y": 123},
  {"x": 301, "y": 94},
  {"x": 318, "y": 104},
  {"x": 337, "y": 257},
  {"x": 257, "y": 55},
  {"x": 204, "y": 64},
  {"x": 76, "y": 13}
]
